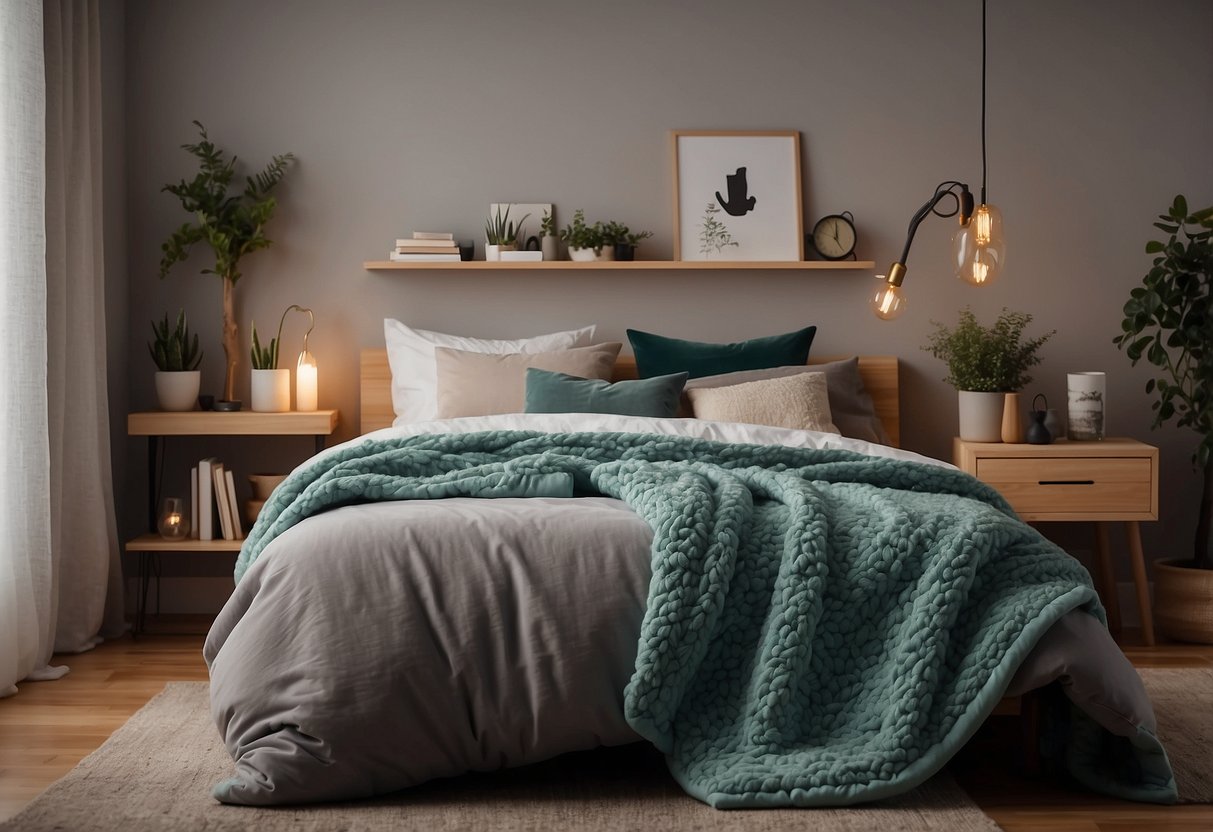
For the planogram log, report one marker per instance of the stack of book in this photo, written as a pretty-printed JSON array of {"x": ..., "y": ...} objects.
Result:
[
  {"x": 213, "y": 501},
  {"x": 426, "y": 246}
]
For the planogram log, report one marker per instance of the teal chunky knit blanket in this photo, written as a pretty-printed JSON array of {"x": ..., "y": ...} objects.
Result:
[{"x": 822, "y": 627}]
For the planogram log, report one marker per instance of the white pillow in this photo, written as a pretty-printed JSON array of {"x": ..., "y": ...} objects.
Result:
[
  {"x": 410, "y": 354},
  {"x": 798, "y": 402}
]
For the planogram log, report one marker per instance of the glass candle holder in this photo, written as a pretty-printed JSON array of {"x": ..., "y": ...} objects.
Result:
[{"x": 172, "y": 522}]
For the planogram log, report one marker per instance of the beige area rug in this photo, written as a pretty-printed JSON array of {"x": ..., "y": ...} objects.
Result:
[
  {"x": 1183, "y": 703},
  {"x": 156, "y": 772}
]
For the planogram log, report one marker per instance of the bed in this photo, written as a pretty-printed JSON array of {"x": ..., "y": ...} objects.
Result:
[{"x": 487, "y": 592}]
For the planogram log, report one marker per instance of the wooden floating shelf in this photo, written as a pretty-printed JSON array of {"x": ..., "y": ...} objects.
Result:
[
  {"x": 238, "y": 423},
  {"x": 633, "y": 265},
  {"x": 153, "y": 542}
]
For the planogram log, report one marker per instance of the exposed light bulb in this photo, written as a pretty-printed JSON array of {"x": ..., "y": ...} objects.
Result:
[
  {"x": 979, "y": 247},
  {"x": 888, "y": 302}
]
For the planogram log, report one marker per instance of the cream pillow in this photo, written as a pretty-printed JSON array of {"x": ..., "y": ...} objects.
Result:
[
  {"x": 482, "y": 384},
  {"x": 410, "y": 354},
  {"x": 800, "y": 402}
]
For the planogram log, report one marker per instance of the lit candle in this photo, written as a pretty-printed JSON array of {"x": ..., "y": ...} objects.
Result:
[{"x": 305, "y": 382}]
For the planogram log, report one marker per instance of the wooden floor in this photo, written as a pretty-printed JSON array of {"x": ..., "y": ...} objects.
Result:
[{"x": 49, "y": 726}]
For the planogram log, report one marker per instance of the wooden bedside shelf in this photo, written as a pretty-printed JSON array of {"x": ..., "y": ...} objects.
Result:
[
  {"x": 152, "y": 542},
  {"x": 239, "y": 423},
  {"x": 620, "y": 265}
]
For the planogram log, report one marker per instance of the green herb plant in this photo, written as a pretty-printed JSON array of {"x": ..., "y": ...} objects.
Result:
[
  {"x": 547, "y": 224},
  {"x": 984, "y": 359},
  {"x": 232, "y": 224},
  {"x": 578, "y": 234},
  {"x": 173, "y": 350},
  {"x": 265, "y": 358}
]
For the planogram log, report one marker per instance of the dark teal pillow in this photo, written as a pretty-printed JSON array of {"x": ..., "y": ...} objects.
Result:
[
  {"x": 550, "y": 392},
  {"x": 657, "y": 355}
]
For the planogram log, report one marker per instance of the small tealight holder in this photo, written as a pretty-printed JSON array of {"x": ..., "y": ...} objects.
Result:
[{"x": 172, "y": 523}]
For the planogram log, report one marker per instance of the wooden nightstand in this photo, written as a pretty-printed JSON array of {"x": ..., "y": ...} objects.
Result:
[{"x": 1100, "y": 482}]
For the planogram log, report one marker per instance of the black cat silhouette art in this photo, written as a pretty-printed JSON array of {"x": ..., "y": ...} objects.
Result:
[{"x": 738, "y": 204}]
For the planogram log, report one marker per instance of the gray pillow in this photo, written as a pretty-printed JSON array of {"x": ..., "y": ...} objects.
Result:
[{"x": 851, "y": 407}]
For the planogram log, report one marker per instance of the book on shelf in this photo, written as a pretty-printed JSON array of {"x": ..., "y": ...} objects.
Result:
[
  {"x": 397, "y": 257},
  {"x": 225, "y": 516},
  {"x": 206, "y": 500},
  {"x": 233, "y": 506},
  {"x": 432, "y": 235},
  {"x": 194, "y": 523},
  {"x": 451, "y": 249},
  {"x": 425, "y": 245}
]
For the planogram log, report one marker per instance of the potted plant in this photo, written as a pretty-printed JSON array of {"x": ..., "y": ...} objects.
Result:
[
  {"x": 625, "y": 241},
  {"x": 1169, "y": 322},
  {"x": 984, "y": 364},
  {"x": 586, "y": 242},
  {"x": 177, "y": 358},
  {"x": 271, "y": 387},
  {"x": 231, "y": 224},
  {"x": 549, "y": 243},
  {"x": 500, "y": 234}
]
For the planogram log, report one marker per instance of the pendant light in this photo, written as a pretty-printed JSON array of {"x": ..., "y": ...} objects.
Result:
[{"x": 979, "y": 248}]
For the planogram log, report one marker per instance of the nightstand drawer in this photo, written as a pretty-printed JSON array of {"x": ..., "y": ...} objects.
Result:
[{"x": 1065, "y": 485}]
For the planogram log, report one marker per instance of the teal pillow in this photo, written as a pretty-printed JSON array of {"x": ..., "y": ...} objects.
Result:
[
  {"x": 550, "y": 392},
  {"x": 657, "y": 355}
]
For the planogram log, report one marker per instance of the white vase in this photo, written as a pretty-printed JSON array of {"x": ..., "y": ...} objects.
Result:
[
  {"x": 1085, "y": 393},
  {"x": 178, "y": 390},
  {"x": 980, "y": 416},
  {"x": 271, "y": 391},
  {"x": 492, "y": 253},
  {"x": 588, "y": 255},
  {"x": 550, "y": 246}
]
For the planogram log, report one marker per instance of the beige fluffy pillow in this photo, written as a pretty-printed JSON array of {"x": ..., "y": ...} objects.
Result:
[
  {"x": 482, "y": 384},
  {"x": 800, "y": 402}
]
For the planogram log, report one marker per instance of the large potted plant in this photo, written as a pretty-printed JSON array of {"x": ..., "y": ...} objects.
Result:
[
  {"x": 231, "y": 224},
  {"x": 984, "y": 364},
  {"x": 177, "y": 358},
  {"x": 1169, "y": 322}
]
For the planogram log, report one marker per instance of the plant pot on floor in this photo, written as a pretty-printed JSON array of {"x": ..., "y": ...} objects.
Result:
[
  {"x": 271, "y": 391},
  {"x": 178, "y": 390},
  {"x": 980, "y": 416},
  {"x": 1183, "y": 601}
]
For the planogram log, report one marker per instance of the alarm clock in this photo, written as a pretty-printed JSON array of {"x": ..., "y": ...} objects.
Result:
[{"x": 834, "y": 236}]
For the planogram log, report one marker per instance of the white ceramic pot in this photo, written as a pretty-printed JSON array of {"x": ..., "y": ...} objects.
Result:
[
  {"x": 588, "y": 255},
  {"x": 178, "y": 390},
  {"x": 980, "y": 416},
  {"x": 271, "y": 391}
]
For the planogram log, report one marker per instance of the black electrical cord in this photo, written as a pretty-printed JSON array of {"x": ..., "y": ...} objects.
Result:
[{"x": 983, "y": 102}]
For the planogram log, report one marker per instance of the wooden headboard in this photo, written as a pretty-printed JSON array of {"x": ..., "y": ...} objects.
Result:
[{"x": 879, "y": 374}]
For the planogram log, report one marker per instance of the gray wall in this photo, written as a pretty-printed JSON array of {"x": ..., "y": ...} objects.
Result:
[{"x": 417, "y": 115}]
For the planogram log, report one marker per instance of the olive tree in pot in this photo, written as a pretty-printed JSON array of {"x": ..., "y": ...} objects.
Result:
[
  {"x": 231, "y": 224},
  {"x": 984, "y": 365},
  {"x": 1169, "y": 322}
]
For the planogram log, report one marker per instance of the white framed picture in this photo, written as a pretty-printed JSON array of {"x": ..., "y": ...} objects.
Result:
[{"x": 737, "y": 195}]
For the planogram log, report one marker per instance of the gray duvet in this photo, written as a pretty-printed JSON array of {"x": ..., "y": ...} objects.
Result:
[{"x": 378, "y": 646}]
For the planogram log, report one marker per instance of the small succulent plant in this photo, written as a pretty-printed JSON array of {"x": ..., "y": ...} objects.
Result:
[
  {"x": 173, "y": 350},
  {"x": 265, "y": 358},
  {"x": 499, "y": 231}
]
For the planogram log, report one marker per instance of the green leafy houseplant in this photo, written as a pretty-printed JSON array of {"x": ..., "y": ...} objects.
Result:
[
  {"x": 232, "y": 224},
  {"x": 500, "y": 231},
  {"x": 1168, "y": 321},
  {"x": 173, "y": 350},
  {"x": 578, "y": 234},
  {"x": 984, "y": 359},
  {"x": 547, "y": 224}
]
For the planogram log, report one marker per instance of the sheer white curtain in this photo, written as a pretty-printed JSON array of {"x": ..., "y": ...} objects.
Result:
[{"x": 58, "y": 552}]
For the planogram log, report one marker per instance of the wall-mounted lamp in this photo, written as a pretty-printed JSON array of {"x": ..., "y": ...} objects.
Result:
[{"x": 979, "y": 249}]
